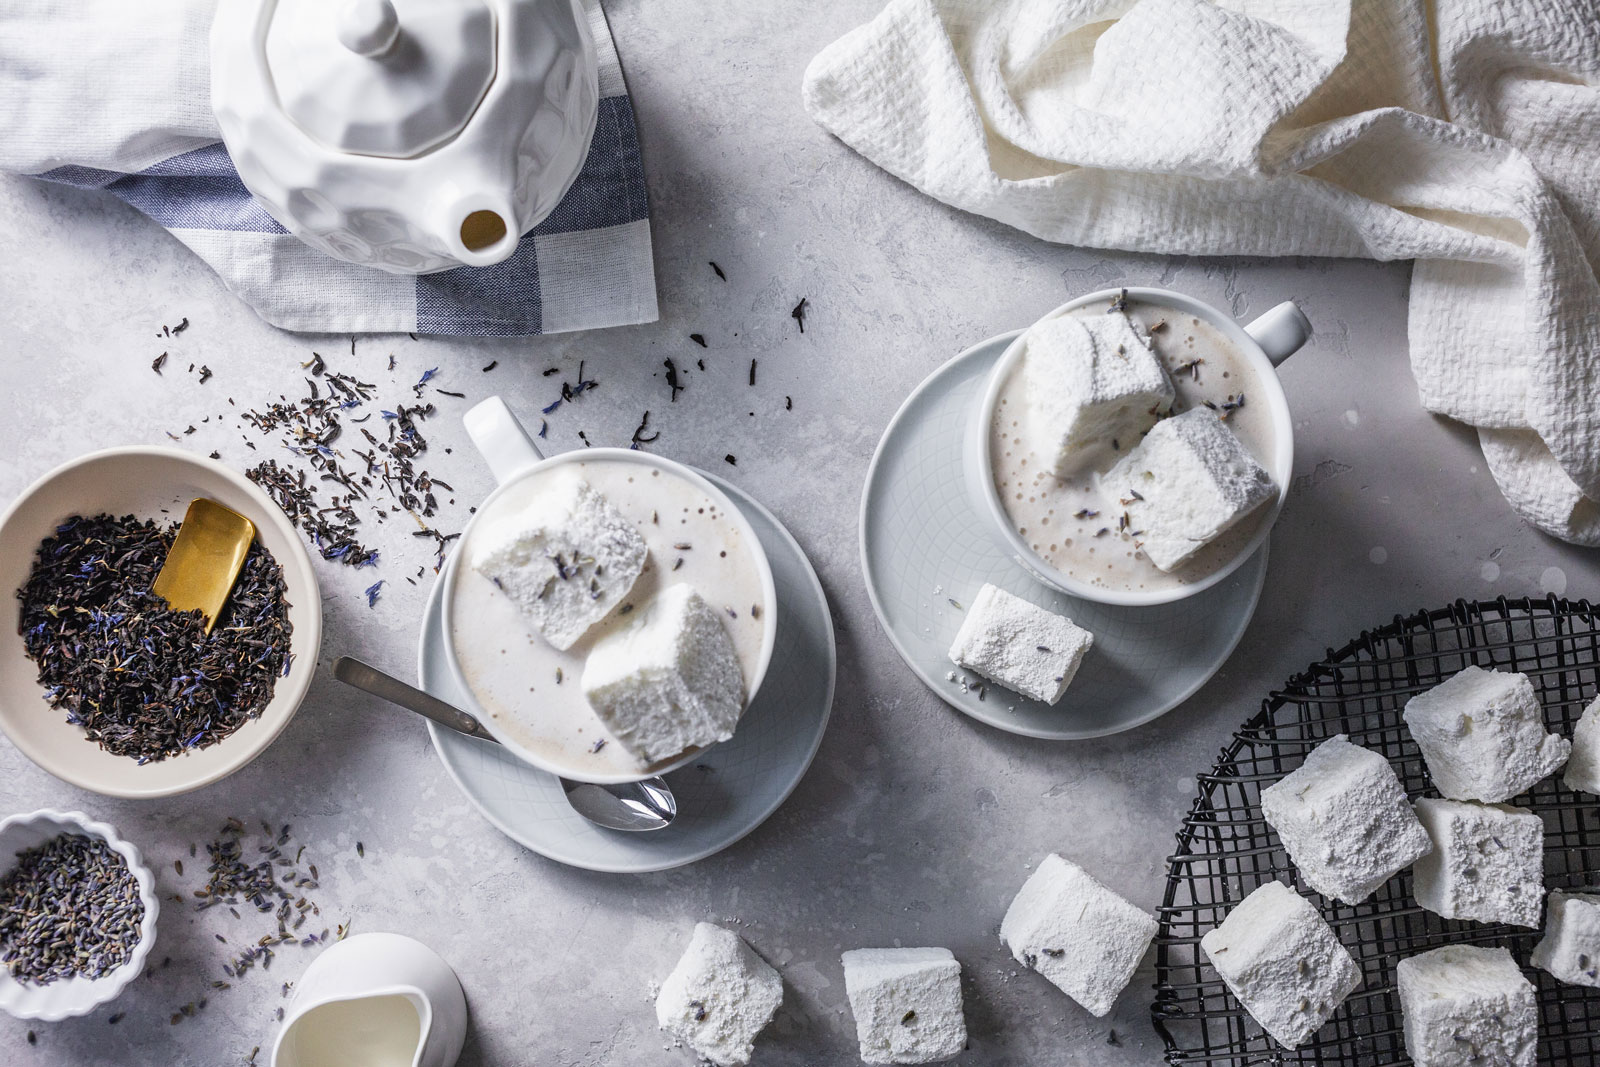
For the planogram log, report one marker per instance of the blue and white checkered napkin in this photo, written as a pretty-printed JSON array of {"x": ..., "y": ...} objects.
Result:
[{"x": 103, "y": 94}]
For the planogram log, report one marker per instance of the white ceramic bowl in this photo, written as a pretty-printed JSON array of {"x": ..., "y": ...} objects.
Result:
[
  {"x": 150, "y": 483},
  {"x": 1265, "y": 343},
  {"x": 512, "y": 455},
  {"x": 69, "y": 997}
]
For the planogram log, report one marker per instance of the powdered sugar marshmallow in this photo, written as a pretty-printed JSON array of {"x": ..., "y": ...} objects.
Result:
[
  {"x": 1344, "y": 820},
  {"x": 668, "y": 681},
  {"x": 1283, "y": 962},
  {"x": 1080, "y": 935},
  {"x": 1089, "y": 380},
  {"x": 1570, "y": 949},
  {"x": 1465, "y": 1006},
  {"x": 1487, "y": 862},
  {"x": 1583, "y": 767},
  {"x": 1187, "y": 482},
  {"x": 719, "y": 996},
  {"x": 1017, "y": 644},
  {"x": 566, "y": 565},
  {"x": 1483, "y": 737},
  {"x": 907, "y": 1004}
]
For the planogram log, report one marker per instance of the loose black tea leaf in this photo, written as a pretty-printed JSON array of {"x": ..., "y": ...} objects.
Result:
[
  {"x": 159, "y": 362},
  {"x": 638, "y": 434},
  {"x": 752, "y": 372},
  {"x": 799, "y": 313},
  {"x": 698, "y": 339},
  {"x": 674, "y": 382},
  {"x": 493, "y": 363},
  {"x": 718, "y": 269},
  {"x": 69, "y": 908},
  {"x": 730, "y": 460},
  {"x": 145, "y": 681}
]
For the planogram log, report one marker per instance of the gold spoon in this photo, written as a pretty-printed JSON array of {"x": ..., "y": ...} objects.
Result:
[{"x": 204, "y": 560}]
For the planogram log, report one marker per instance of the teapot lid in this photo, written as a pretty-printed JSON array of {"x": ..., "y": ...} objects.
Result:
[{"x": 380, "y": 77}]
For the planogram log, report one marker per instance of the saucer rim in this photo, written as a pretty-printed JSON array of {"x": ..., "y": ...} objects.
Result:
[{"x": 1257, "y": 560}]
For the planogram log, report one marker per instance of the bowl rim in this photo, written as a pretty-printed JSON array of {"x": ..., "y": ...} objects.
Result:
[
  {"x": 1280, "y": 463},
  {"x": 294, "y": 685},
  {"x": 48, "y": 1003},
  {"x": 451, "y": 577}
]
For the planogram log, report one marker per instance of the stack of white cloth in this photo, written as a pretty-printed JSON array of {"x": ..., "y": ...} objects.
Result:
[{"x": 1464, "y": 135}]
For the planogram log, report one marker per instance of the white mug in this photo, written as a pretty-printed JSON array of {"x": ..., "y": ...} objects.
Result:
[
  {"x": 512, "y": 456},
  {"x": 1264, "y": 343}
]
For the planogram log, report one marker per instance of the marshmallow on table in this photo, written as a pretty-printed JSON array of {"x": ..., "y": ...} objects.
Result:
[
  {"x": 669, "y": 680},
  {"x": 1570, "y": 949},
  {"x": 719, "y": 996},
  {"x": 1466, "y": 1006},
  {"x": 1487, "y": 862},
  {"x": 1583, "y": 768},
  {"x": 1080, "y": 935},
  {"x": 1186, "y": 483},
  {"x": 1089, "y": 380},
  {"x": 1344, "y": 820},
  {"x": 1283, "y": 962},
  {"x": 907, "y": 1004},
  {"x": 567, "y": 564},
  {"x": 1020, "y": 645},
  {"x": 1483, "y": 737}
]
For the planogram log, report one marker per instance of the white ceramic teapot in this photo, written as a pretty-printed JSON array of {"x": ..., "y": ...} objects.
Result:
[{"x": 408, "y": 135}]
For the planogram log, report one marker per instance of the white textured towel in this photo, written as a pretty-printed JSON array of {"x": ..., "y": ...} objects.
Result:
[{"x": 1462, "y": 134}]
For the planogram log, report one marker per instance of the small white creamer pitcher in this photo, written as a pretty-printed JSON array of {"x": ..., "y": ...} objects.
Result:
[{"x": 374, "y": 1000}]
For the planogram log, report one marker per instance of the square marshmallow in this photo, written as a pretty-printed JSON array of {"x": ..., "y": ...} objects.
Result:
[
  {"x": 1283, "y": 962},
  {"x": 1570, "y": 949},
  {"x": 1344, "y": 820},
  {"x": 1189, "y": 480},
  {"x": 1020, "y": 645},
  {"x": 1089, "y": 380},
  {"x": 669, "y": 680},
  {"x": 1487, "y": 862},
  {"x": 907, "y": 1004},
  {"x": 567, "y": 564},
  {"x": 1467, "y": 1007},
  {"x": 1482, "y": 735},
  {"x": 1583, "y": 768},
  {"x": 1077, "y": 933},
  {"x": 719, "y": 996}
]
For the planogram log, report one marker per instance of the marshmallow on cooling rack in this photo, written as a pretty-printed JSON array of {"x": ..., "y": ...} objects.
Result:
[
  {"x": 907, "y": 1004},
  {"x": 565, "y": 565},
  {"x": 1583, "y": 768},
  {"x": 1283, "y": 962},
  {"x": 1570, "y": 949},
  {"x": 1186, "y": 483},
  {"x": 1344, "y": 820},
  {"x": 1020, "y": 645},
  {"x": 719, "y": 996},
  {"x": 1089, "y": 380},
  {"x": 1482, "y": 734},
  {"x": 1466, "y": 1006},
  {"x": 669, "y": 680},
  {"x": 1080, "y": 935},
  {"x": 1487, "y": 862}
]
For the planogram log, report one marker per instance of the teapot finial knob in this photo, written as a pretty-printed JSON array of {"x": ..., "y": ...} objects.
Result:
[{"x": 368, "y": 27}]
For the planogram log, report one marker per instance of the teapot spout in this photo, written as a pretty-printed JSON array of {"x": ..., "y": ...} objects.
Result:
[{"x": 480, "y": 230}]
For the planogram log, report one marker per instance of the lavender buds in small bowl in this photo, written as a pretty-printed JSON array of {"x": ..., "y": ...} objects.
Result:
[{"x": 77, "y": 914}]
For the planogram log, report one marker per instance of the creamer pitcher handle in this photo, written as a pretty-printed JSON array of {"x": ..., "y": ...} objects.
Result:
[{"x": 500, "y": 439}]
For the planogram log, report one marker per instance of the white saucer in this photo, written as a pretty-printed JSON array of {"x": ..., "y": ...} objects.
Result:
[
  {"x": 924, "y": 544},
  {"x": 724, "y": 794}
]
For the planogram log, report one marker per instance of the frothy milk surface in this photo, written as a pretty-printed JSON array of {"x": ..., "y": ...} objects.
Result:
[
  {"x": 532, "y": 691},
  {"x": 1066, "y": 521}
]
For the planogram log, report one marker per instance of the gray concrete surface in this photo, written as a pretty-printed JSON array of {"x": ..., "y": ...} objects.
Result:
[{"x": 915, "y": 825}]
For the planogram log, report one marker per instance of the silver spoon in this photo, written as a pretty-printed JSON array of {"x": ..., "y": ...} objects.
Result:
[{"x": 631, "y": 806}]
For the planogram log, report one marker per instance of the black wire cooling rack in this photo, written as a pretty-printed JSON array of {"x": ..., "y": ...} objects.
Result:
[{"x": 1225, "y": 849}]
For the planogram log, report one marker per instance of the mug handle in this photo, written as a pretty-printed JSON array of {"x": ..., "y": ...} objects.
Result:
[
  {"x": 500, "y": 439},
  {"x": 1281, "y": 331}
]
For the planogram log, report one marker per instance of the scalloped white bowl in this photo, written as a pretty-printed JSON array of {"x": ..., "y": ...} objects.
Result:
[{"x": 70, "y": 997}]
